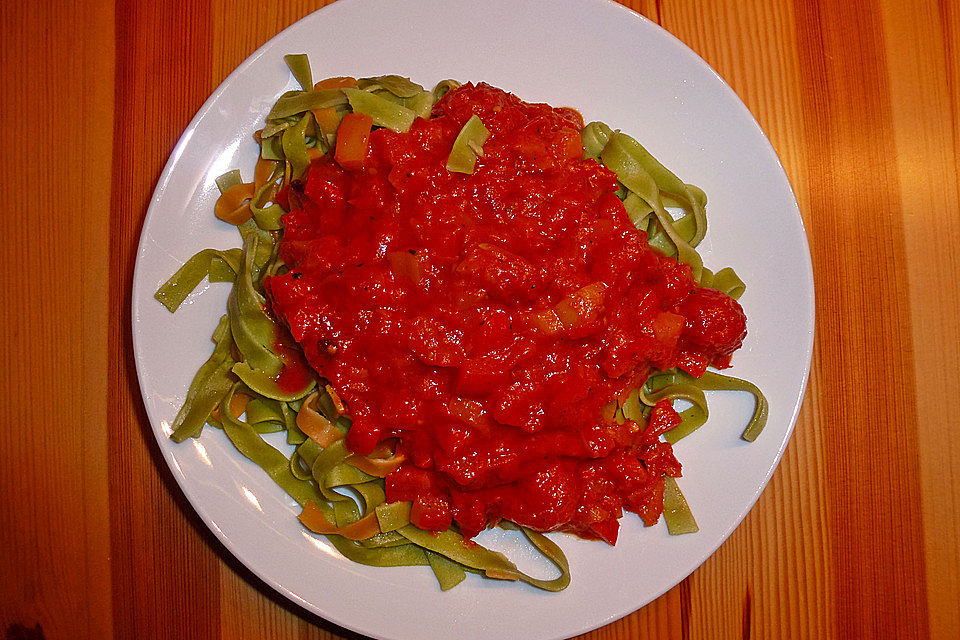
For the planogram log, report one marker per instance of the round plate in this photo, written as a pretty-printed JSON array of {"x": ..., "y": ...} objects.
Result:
[{"x": 611, "y": 64}]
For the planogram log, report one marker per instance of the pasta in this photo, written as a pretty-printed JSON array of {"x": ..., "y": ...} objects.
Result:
[{"x": 255, "y": 382}]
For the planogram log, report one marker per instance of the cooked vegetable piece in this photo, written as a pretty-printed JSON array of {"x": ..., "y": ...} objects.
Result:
[
  {"x": 340, "y": 82},
  {"x": 328, "y": 120},
  {"x": 468, "y": 146},
  {"x": 353, "y": 140}
]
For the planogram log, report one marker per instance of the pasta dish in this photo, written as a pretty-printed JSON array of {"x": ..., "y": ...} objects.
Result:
[{"x": 461, "y": 310}]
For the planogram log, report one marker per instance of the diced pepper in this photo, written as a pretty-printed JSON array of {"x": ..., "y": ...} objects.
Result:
[
  {"x": 353, "y": 141},
  {"x": 328, "y": 119},
  {"x": 581, "y": 307},
  {"x": 468, "y": 146},
  {"x": 667, "y": 328},
  {"x": 339, "y": 82},
  {"x": 404, "y": 265},
  {"x": 431, "y": 513}
]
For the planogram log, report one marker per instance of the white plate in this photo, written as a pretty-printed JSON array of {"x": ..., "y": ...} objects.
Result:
[{"x": 614, "y": 66}]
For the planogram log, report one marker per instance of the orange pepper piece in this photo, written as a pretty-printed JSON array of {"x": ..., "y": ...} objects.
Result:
[
  {"x": 340, "y": 82},
  {"x": 353, "y": 140}
]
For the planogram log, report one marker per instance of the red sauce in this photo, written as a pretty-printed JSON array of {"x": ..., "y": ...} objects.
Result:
[
  {"x": 296, "y": 373},
  {"x": 484, "y": 321}
]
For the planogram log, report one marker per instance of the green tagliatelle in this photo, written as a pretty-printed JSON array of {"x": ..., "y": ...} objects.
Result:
[{"x": 342, "y": 495}]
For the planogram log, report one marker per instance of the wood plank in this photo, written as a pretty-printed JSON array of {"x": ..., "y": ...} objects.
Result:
[
  {"x": 865, "y": 368},
  {"x": 926, "y": 119},
  {"x": 55, "y": 174},
  {"x": 165, "y": 567},
  {"x": 647, "y": 8}
]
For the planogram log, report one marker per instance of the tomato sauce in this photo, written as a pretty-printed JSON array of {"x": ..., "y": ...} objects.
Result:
[
  {"x": 483, "y": 322},
  {"x": 295, "y": 374}
]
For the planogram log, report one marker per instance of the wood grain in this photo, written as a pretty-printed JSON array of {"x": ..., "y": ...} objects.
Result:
[
  {"x": 858, "y": 534},
  {"x": 876, "y": 529},
  {"x": 165, "y": 570},
  {"x": 923, "y": 49},
  {"x": 54, "y": 511}
]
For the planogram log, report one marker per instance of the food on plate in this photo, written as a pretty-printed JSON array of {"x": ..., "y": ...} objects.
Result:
[{"x": 461, "y": 310}]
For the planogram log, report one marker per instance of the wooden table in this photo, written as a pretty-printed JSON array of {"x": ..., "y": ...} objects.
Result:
[{"x": 858, "y": 534}]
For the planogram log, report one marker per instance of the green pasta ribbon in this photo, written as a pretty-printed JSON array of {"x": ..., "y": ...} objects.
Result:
[
  {"x": 383, "y": 112},
  {"x": 299, "y": 65},
  {"x": 448, "y": 572},
  {"x": 493, "y": 564},
  {"x": 294, "y": 103},
  {"x": 401, "y": 91},
  {"x": 638, "y": 171},
  {"x": 397, "y": 85},
  {"x": 725, "y": 280},
  {"x": 294, "y": 144},
  {"x": 267, "y": 386},
  {"x": 676, "y": 511},
  {"x": 443, "y": 88},
  {"x": 679, "y": 385},
  {"x": 595, "y": 136},
  {"x": 251, "y": 445},
  {"x": 210, "y": 385},
  {"x": 219, "y": 266},
  {"x": 253, "y": 330}
]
